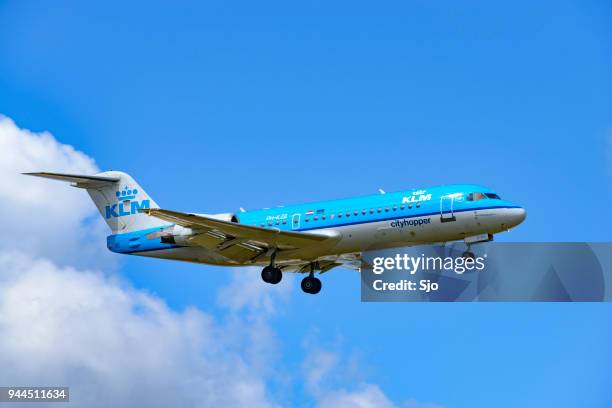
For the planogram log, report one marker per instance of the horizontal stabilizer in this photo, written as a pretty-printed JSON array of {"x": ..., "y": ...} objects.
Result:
[{"x": 78, "y": 180}]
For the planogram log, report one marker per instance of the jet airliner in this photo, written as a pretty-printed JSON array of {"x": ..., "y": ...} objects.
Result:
[{"x": 304, "y": 238}]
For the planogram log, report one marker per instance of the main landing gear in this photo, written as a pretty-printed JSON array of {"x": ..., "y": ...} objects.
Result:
[
  {"x": 310, "y": 284},
  {"x": 272, "y": 274}
]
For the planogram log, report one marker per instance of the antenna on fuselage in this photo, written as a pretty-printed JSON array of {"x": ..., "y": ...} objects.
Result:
[
  {"x": 242, "y": 209},
  {"x": 381, "y": 191}
]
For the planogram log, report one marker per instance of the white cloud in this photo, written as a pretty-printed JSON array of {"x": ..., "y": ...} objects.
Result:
[
  {"x": 42, "y": 216},
  {"x": 247, "y": 291},
  {"x": 319, "y": 364},
  {"x": 334, "y": 380},
  {"x": 115, "y": 346},
  {"x": 364, "y": 396},
  {"x": 64, "y": 320}
]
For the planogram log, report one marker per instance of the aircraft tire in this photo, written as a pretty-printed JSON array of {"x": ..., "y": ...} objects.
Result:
[
  {"x": 311, "y": 285},
  {"x": 468, "y": 254},
  {"x": 271, "y": 274}
]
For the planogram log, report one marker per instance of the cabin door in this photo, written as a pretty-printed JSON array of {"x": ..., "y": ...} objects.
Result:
[
  {"x": 295, "y": 221},
  {"x": 447, "y": 213}
]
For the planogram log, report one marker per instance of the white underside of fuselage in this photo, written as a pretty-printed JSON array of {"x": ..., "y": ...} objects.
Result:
[{"x": 359, "y": 237}]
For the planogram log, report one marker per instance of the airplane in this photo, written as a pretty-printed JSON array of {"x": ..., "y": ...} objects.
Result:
[{"x": 303, "y": 238}]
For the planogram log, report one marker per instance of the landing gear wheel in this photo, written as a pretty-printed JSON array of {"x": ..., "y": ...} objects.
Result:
[
  {"x": 468, "y": 255},
  {"x": 271, "y": 274},
  {"x": 311, "y": 285},
  {"x": 317, "y": 287}
]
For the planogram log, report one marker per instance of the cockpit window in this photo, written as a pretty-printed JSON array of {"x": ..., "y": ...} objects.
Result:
[{"x": 481, "y": 196}]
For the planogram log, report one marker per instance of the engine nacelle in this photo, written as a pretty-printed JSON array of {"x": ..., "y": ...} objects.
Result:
[
  {"x": 179, "y": 235},
  {"x": 174, "y": 234},
  {"x": 228, "y": 217}
]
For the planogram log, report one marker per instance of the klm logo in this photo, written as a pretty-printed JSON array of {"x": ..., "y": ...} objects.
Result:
[
  {"x": 126, "y": 204},
  {"x": 417, "y": 196},
  {"x": 123, "y": 209}
]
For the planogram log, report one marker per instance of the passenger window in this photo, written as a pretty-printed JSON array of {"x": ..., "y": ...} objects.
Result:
[
  {"x": 339, "y": 215},
  {"x": 418, "y": 205},
  {"x": 355, "y": 212},
  {"x": 379, "y": 210},
  {"x": 315, "y": 218},
  {"x": 364, "y": 212},
  {"x": 323, "y": 216},
  {"x": 402, "y": 207},
  {"x": 410, "y": 205},
  {"x": 331, "y": 216},
  {"x": 371, "y": 211},
  {"x": 395, "y": 208},
  {"x": 348, "y": 214}
]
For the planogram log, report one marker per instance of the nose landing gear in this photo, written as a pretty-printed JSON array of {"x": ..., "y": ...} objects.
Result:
[
  {"x": 468, "y": 254},
  {"x": 310, "y": 284},
  {"x": 475, "y": 239}
]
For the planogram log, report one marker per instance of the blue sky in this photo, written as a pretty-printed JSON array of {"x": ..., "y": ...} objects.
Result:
[{"x": 215, "y": 106}]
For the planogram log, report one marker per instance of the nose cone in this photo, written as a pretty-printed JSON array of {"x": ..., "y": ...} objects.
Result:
[{"x": 515, "y": 216}]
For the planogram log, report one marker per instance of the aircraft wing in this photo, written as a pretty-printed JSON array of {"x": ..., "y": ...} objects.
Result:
[{"x": 234, "y": 239}]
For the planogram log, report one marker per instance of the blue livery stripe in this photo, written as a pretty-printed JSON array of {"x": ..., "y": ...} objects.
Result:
[{"x": 407, "y": 216}]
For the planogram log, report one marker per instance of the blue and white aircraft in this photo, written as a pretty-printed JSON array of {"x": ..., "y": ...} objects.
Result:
[{"x": 305, "y": 238}]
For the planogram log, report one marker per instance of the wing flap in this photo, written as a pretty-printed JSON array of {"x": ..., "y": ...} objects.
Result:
[{"x": 239, "y": 253}]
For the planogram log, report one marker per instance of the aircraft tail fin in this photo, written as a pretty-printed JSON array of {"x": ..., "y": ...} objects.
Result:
[{"x": 117, "y": 196}]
